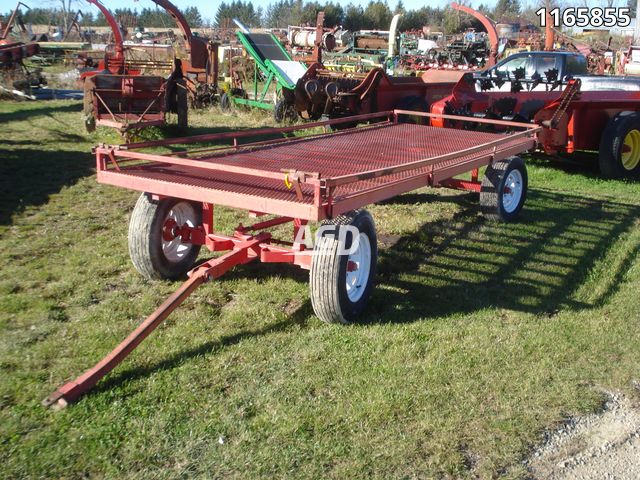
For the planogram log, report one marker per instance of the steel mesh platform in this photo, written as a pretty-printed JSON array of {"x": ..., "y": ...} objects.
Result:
[{"x": 332, "y": 155}]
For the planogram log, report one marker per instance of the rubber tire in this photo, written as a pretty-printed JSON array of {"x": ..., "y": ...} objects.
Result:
[
  {"x": 226, "y": 104},
  {"x": 493, "y": 183},
  {"x": 284, "y": 112},
  {"x": 327, "y": 278},
  {"x": 145, "y": 239},
  {"x": 609, "y": 156}
]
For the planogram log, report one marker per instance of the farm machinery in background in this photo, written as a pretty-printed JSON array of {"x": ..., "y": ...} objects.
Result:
[
  {"x": 581, "y": 113},
  {"x": 308, "y": 43},
  {"x": 472, "y": 51},
  {"x": 199, "y": 65},
  {"x": 321, "y": 92},
  {"x": 313, "y": 92},
  {"x": 119, "y": 95},
  {"x": 13, "y": 51},
  {"x": 361, "y": 51},
  {"x": 413, "y": 52},
  {"x": 116, "y": 94},
  {"x": 324, "y": 92},
  {"x": 275, "y": 74}
]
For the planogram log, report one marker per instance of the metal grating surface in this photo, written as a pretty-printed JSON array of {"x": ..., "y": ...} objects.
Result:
[{"x": 343, "y": 153}]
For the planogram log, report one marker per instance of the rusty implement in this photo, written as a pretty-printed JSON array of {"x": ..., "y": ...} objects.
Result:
[
  {"x": 125, "y": 102},
  {"x": 326, "y": 176}
]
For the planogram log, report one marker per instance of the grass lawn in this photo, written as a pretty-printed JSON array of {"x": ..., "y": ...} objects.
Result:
[{"x": 479, "y": 337}]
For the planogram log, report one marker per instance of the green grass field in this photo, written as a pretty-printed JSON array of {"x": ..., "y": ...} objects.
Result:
[{"x": 479, "y": 336}]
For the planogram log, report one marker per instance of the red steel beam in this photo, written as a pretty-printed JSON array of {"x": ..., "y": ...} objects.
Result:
[
  {"x": 211, "y": 137},
  {"x": 488, "y": 25},
  {"x": 458, "y": 184},
  {"x": 118, "y": 39},
  {"x": 489, "y": 121},
  {"x": 208, "y": 165},
  {"x": 202, "y": 194}
]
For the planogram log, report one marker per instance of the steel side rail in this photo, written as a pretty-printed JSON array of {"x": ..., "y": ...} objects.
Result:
[
  {"x": 263, "y": 143},
  {"x": 506, "y": 123},
  {"x": 205, "y": 165},
  {"x": 431, "y": 161},
  {"x": 254, "y": 133},
  {"x": 208, "y": 270}
]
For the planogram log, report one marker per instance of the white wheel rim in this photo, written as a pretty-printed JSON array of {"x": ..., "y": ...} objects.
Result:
[
  {"x": 182, "y": 213},
  {"x": 357, "y": 278},
  {"x": 512, "y": 192}
]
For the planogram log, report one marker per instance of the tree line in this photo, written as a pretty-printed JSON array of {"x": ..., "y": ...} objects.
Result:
[
  {"x": 377, "y": 14},
  {"x": 147, "y": 17}
]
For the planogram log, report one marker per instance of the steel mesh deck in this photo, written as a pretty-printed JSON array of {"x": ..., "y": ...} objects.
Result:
[{"x": 343, "y": 153}]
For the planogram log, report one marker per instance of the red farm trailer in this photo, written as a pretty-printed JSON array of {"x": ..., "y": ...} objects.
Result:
[
  {"x": 591, "y": 113},
  {"x": 325, "y": 177}
]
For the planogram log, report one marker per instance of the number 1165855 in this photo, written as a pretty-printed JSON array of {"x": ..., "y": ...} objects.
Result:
[{"x": 585, "y": 17}]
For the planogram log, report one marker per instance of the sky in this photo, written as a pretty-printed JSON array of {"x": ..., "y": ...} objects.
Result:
[{"x": 208, "y": 8}]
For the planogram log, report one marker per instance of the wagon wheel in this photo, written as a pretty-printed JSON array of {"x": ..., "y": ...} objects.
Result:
[
  {"x": 153, "y": 250},
  {"x": 342, "y": 275},
  {"x": 504, "y": 189},
  {"x": 226, "y": 104},
  {"x": 619, "y": 155},
  {"x": 284, "y": 112}
]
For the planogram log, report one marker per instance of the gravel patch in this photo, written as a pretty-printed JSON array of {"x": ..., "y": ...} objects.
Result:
[{"x": 599, "y": 446}]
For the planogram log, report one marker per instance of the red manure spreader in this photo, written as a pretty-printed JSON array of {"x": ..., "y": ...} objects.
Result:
[{"x": 586, "y": 113}]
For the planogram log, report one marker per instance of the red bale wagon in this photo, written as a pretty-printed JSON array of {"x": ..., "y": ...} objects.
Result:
[{"x": 325, "y": 177}]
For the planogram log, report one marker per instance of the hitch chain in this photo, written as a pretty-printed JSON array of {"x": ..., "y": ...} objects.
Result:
[{"x": 565, "y": 100}]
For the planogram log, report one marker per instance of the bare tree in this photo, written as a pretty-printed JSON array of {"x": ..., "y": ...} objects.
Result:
[{"x": 66, "y": 7}]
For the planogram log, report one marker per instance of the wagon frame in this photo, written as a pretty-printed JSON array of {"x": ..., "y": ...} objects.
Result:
[{"x": 198, "y": 179}]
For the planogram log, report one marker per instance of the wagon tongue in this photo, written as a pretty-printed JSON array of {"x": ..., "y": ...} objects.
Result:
[{"x": 243, "y": 252}]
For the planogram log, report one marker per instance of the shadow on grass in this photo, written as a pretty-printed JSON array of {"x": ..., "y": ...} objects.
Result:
[
  {"x": 535, "y": 265},
  {"x": 584, "y": 164},
  {"x": 29, "y": 176},
  {"x": 26, "y": 113},
  {"x": 298, "y": 317},
  {"x": 466, "y": 264}
]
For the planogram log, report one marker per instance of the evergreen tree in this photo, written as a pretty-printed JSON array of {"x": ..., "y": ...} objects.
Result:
[{"x": 506, "y": 8}]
